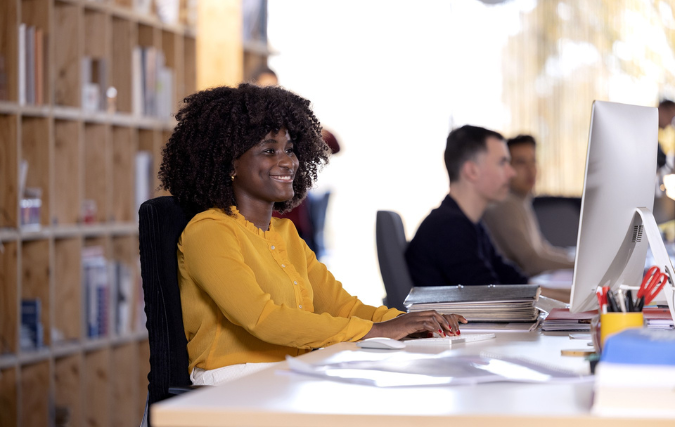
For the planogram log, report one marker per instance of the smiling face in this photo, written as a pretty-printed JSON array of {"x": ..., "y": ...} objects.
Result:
[{"x": 264, "y": 174}]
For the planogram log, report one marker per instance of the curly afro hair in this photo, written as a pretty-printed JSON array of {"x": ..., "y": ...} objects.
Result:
[{"x": 216, "y": 126}]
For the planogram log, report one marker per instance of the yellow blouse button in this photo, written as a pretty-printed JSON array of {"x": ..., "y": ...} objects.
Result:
[
  {"x": 283, "y": 265},
  {"x": 295, "y": 283},
  {"x": 272, "y": 247},
  {"x": 300, "y": 306}
]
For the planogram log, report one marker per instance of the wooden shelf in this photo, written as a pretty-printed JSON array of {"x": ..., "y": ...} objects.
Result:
[{"x": 81, "y": 156}]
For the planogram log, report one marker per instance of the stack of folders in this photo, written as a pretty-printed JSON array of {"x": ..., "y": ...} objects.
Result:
[
  {"x": 483, "y": 303},
  {"x": 560, "y": 319},
  {"x": 658, "y": 318}
]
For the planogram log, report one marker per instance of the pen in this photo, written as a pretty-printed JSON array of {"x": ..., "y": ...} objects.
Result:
[
  {"x": 613, "y": 305},
  {"x": 629, "y": 301},
  {"x": 621, "y": 301}
]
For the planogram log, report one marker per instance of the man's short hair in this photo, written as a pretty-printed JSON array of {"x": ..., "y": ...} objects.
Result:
[
  {"x": 464, "y": 144},
  {"x": 521, "y": 139},
  {"x": 667, "y": 103}
]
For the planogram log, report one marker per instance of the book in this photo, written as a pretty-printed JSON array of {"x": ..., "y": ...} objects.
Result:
[
  {"x": 22, "y": 64},
  {"x": 32, "y": 333},
  {"x": 561, "y": 319},
  {"x": 482, "y": 303},
  {"x": 658, "y": 318},
  {"x": 95, "y": 283}
]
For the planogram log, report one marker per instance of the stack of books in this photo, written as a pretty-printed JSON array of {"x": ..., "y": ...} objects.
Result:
[
  {"x": 484, "y": 303},
  {"x": 560, "y": 319},
  {"x": 658, "y": 318}
]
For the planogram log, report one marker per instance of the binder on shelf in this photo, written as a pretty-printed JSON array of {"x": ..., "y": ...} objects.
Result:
[{"x": 482, "y": 303}]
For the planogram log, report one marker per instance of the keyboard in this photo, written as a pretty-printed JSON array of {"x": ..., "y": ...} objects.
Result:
[{"x": 447, "y": 341}]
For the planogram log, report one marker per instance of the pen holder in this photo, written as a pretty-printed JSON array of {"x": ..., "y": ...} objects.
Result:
[{"x": 612, "y": 323}]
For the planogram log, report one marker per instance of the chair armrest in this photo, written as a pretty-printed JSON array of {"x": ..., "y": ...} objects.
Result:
[{"x": 175, "y": 391}]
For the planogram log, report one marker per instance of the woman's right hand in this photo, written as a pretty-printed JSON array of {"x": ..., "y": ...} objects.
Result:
[{"x": 411, "y": 323}]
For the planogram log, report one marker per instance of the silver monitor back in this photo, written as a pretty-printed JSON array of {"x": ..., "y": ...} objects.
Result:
[{"x": 620, "y": 173}]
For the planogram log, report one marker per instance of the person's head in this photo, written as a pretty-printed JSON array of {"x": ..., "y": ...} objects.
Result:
[
  {"x": 264, "y": 76},
  {"x": 479, "y": 157},
  {"x": 261, "y": 136},
  {"x": 524, "y": 161},
  {"x": 666, "y": 113}
]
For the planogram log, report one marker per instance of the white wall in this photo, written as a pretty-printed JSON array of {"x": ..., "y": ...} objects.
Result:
[{"x": 389, "y": 78}]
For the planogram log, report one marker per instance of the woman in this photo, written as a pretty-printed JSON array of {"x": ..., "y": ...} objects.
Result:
[{"x": 252, "y": 291}]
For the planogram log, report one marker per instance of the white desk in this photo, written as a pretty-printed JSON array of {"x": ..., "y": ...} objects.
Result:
[{"x": 273, "y": 398}]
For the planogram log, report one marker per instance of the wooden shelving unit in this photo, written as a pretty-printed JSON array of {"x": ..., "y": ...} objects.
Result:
[{"x": 76, "y": 155}]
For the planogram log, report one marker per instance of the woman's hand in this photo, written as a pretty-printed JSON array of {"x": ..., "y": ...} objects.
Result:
[{"x": 423, "y": 321}]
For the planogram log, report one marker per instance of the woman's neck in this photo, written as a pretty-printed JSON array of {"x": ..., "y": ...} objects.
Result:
[{"x": 256, "y": 212}]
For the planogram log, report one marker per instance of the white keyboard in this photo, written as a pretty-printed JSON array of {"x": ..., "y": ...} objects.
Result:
[{"x": 447, "y": 341}]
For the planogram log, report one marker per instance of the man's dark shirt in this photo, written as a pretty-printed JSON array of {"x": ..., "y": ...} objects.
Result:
[{"x": 449, "y": 249}]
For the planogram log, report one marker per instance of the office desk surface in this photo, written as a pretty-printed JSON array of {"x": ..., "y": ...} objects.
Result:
[{"x": 276, "y": 397}]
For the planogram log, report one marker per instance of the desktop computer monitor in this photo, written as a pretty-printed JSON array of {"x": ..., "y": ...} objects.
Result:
[{"x": 620, "y": 177}]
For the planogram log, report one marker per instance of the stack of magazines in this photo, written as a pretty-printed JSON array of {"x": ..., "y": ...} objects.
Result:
[
  {"x": 561, "y": 319},
  {"x": 484, "y": 303}
]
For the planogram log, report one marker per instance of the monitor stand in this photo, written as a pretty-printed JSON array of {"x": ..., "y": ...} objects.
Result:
[{"x": 660, "y": 256}]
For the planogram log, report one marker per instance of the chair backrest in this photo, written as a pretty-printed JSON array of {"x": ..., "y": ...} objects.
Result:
[
  {"x": 391, "y": 245},
  {"x": 558, "y": 219},
  {"x": 161, "y": 222}
]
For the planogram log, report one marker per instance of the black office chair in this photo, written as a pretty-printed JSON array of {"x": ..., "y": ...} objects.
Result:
[
  {"x": 558, "y": 219},
  {"x": 391, "y": 245},
  {"x": 161, "y": 222}
]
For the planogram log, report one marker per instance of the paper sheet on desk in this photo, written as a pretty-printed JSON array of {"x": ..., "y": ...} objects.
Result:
[
  {"x": 411, "y": 369},
  {"x": 555, "y": 279}
]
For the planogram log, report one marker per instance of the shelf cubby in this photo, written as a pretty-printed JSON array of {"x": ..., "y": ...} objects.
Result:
[
  {"x": 96, "y": 390},
  {"x": 9, "y": 171},
  {"x": 68, "y": 389},
  {"x": 35, "y": 282},
  {"x": 96, "y": 155},
  {"x": 67, "y": 54},
  {"x": 35, "y": 403},
  {"x": 9, "y": 309},
  {"x": 35, "y": 150},
  {"x": 190, "y": 69},
  {"x": 172, "y": 46},
  {"x": 68, "y": 288},
  {"x": 68, "y": 204}
]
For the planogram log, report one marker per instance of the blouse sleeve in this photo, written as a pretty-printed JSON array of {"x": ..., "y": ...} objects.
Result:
[
  {"x": 214, "y": 260},
  {"x": 330, "y": 297}
]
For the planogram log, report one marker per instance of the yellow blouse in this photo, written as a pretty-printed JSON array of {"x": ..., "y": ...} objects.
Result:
[{"x": 256, "y": 296}]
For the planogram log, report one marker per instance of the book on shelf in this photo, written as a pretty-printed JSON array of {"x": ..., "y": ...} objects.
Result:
[
  {"x": 95, "y": 283},
  {"x": 144, "y": 177},
  {"x": 152, "y": 83},
  {"x": 4, "y": 92},
  {"x": 122, "y": 278},
  {"x": 32, "y": 60},
  {"x": 32, "y": 332},
  {"x": 482, "y": 303}
]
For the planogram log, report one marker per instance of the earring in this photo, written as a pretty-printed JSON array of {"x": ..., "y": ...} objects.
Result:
[{"x": 232, "y": 177}]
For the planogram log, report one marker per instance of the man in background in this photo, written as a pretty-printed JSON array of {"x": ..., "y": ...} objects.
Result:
[
  {"x": 513, "y": 224},
  {"x": 666, "y": 116},
  {"x": 451, "y": 246}
]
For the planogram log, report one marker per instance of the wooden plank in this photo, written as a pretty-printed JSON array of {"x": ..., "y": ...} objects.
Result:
[
  {"x": 9, "y": 45},
  {"x": 219, "y": 43},
  {"x": 96, "y": 186},
  {"x": 35, "y": 279},
  {"x": 190, "y": 66},
  {"x": 35, "y": 150},
  {"x": 124, "y": 389},
  {"x": 67, "y": 172},
  {"x": 143, "y": 371},
  {"x": 123, "y": 187},
  {"x": 96, "y": 390},
  {"x": 67, "y": 54},
  {"x": 122, "y": 43},
  {"x": 9, "y": 171},
  {"x": 9, "y": 319},
  {"x": 68, "y": 288},
  {"x": 146, "y": 36},
  {"x": 95, "y": 28},
  {"x": 34, "y": 404},
  {"x": 68, "y": 389},
  {"x": 8, "y": 398}
]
